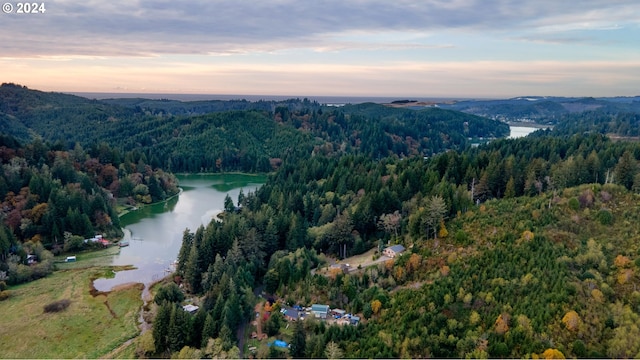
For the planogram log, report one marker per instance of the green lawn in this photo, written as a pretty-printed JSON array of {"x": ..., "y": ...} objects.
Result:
[
  {"x": 89, "y": 328},
  {"x": 87, "y": 259}
]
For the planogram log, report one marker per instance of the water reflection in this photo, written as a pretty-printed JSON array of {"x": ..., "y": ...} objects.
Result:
[{"x": 155, "y": 232}]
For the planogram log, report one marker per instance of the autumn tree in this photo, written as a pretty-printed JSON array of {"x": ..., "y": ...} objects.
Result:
[
  {"x": 443, "y": 232},
  {"x": 572, "y": 320},
  {"x": 553, "y": 354},
  {"x": 390, "y": 222},
  {"x": 502, "y": 323},
  {"x": 333, "y": 351},
  {"x": 375, "y": 306}
]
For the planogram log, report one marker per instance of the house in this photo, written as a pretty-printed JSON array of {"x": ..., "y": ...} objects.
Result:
[
  {"x": 190, "y": 308},
  {"x": 291, "y": 315},
  {"x": 344, "y": 268},
  {"x": 320, "y": 311},
  {"x": 393, "y": 251}
]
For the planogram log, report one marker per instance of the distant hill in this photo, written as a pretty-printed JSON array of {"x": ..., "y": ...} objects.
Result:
[
  {"x": 201, "y": 107},
  {"x": 208, "y": 136},
  {"x": 546, "y": 110}
]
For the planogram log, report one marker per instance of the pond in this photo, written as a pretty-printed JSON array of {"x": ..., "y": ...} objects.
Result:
[{"x": 154, "y": 232}]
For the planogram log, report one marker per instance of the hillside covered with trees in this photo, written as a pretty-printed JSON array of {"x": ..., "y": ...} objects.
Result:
[
  {"x": 548, "y": 110},
  {"x": 514, "y": 247},
  {"x": 250, "y": 139},
  {"x": 52, "y": 199}
]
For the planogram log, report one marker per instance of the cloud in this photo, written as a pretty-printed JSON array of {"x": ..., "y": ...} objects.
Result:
[
  {"x": 401, "y": 78},
  {"x": 148, "y": 27}
]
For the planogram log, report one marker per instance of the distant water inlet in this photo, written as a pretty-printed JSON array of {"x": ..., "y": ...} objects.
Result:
[
  {"x": 521, "y": 131},
  {"x": 154, "y": 233}
]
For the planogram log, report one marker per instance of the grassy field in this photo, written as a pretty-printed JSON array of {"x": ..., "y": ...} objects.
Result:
[
  {"x": 90, "y": 327},
  {"x": 89, "y": 258}
]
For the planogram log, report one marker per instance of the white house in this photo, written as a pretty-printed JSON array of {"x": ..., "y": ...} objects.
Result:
[{"x": 392, "y": 251}]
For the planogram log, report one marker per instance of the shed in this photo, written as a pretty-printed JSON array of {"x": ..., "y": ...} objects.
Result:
[
  {"x": 355, "y": 320},
  {"x": 190, "y": 308},
  {"x": 70, "y": 258},
  {"x": 393, "y": 251}
]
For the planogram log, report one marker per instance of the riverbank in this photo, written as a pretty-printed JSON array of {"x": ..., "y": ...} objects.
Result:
[{"x": 124, "y": 209}]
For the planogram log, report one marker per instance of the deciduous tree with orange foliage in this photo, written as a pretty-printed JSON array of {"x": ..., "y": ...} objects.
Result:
[{"x": 572, "y": 320}]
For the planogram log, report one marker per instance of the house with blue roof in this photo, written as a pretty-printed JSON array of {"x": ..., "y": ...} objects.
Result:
[{"x": 320, "y": 311}]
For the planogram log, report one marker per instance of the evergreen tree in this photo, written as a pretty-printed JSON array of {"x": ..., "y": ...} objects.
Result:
[
  {"x": 161, "y": 327},
  {"x": 208, "y": 331},
  {"x": 626, "y": 170},
  {"x": 298, "y": 342},
  {"x": 228, "y": 204}
]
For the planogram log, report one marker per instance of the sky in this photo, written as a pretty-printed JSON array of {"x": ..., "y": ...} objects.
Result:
[{"x": 428, "y": 48}]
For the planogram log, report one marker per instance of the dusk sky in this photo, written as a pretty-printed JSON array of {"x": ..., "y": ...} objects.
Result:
[{"x": 431, "y": 48}]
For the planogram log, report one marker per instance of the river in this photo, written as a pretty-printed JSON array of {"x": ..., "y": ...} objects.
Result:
[
  {"x": 155, "y": 232},
  {"x": 517, "y": 131}
]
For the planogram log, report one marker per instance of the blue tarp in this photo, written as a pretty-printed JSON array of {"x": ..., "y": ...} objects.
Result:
[{"x": 279, "y": 343}]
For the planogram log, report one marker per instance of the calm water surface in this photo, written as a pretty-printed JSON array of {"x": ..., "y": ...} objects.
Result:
[
  {"x": 155, "y": 232},
  {"x": 520, "y": 131}
]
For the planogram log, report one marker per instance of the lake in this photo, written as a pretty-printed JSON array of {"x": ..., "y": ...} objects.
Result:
[{"x": 154, "y": 232}]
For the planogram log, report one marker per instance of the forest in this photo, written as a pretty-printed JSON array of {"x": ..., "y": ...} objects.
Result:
[
  {"x": 52, "y": 199},
  {"x": 250, "y": 140},
  {"x": 518, "y": 248},
  {"x": 514, "y": 248}
]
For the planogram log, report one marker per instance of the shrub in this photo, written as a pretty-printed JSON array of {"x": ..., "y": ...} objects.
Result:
[
  {"x": 3, "y": 286},
  {"x": 4, "y": 295},
  {"x": 605, "y": 217},
  {"x": 462, "y": 237},
  {"x": 574, "y": 204},
  {"x": 57, "y": 306}
]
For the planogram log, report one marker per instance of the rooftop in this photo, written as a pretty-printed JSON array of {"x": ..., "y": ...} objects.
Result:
[{"x": 397, "y": 248}]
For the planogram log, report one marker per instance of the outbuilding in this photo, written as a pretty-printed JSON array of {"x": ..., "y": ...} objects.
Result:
[{"x": 190, "y": 308}]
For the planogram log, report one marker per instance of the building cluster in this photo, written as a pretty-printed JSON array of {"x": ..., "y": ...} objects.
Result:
[{"x": 319, "y": 311}]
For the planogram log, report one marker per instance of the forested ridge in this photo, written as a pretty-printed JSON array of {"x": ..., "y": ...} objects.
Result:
[{"x": 254, "y": 140}]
